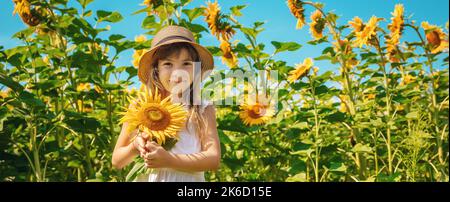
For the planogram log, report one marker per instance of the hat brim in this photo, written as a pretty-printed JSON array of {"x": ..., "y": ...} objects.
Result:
[{"x": 206, "y": 58}]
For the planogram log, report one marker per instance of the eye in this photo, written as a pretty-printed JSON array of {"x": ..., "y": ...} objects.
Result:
[
  {"x": 167, "y": 64},
  {"x": 187, "y": 63}
]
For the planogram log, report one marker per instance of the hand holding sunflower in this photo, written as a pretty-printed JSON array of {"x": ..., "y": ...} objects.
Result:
[{"x": 157, "y": 156}]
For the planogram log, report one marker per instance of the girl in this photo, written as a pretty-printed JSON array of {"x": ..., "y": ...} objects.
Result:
[{"x": 198, "y": 149}]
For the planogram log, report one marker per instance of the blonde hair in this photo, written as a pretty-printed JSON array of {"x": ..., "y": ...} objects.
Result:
[{"x": 195, "y": 115}]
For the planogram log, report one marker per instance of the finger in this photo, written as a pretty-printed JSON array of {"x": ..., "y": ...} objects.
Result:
[
  {"x": 144, "y": 135},
  {"x": 135, "y": 132},
  {"x": 144, "y": 145},
  {"x": 142, "y": 154},
  {"x": 151, "y": 146},
  {"x": 150, "y": 155},
  {"x": 140, "y": 142},
  {"x": 147, "y": 156},
  {"x": 147, "y": 146}
]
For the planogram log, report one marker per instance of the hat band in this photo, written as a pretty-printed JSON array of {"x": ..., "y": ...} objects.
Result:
[{"x": 171, "y": 38}]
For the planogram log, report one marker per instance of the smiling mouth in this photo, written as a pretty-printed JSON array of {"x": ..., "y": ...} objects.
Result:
[{"x": 177, "y": 81}]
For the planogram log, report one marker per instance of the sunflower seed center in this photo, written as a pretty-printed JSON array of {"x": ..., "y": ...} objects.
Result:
[
  {"x": 433, "y": 38},
  {"x": 257, "y": 111},
  {"x": 155, "y": 115}
]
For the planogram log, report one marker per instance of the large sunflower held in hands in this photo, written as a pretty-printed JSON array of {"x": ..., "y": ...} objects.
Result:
[{"x": 160, "y": 119}]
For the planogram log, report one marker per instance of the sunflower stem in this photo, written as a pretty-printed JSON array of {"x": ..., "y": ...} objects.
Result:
[
  {"x": 86, "y": 149},
  {"x": 35, "y": 151},
  {"x": 110, "y": 122},
  {"x": 316, "y": 135},
  {"x": 33, "y": 123},
  {"x": 347, "y": 84},
  {"x": 388, "y": 104},
  {"x": 375, "y": 153},
  {"x": 434, "y": 109}
]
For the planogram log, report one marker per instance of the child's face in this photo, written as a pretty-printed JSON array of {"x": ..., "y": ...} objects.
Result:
[{"x": 175, "y": 72}]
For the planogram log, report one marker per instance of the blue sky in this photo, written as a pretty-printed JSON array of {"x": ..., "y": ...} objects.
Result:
[{"x": 280, "y": 24}]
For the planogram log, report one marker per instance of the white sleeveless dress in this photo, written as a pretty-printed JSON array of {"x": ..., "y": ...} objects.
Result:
[{"x": 188, "y": 143}]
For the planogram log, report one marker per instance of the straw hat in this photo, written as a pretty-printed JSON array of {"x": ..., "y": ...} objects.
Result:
[{"x": 170, "y": 35}]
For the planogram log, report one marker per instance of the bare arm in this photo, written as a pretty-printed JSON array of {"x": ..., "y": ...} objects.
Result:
[
  {"x": 207, "y": 159},
  {"x": 125, "y": 151}
]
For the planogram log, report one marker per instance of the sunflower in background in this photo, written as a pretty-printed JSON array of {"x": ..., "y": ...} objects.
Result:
[
  {"x": 437, "y": 39},
  {"x": 216, "y": 23},
  {"x": 138, "y": 53},
  {"x": 256, "y": 110},
  {"x": 317, "y": 24},
  {"x": 4, "y": 93},
  {"x": 344, "y": 103},
  {"x": 84, "y": 87},
  {"x": 154, "y": 6},
  {"x": 365, "y": 33},
  {"x": 160, "y": 119},
  {"x": 357, "y": 24},
  {"x": 296, "y": 7},
  {"x": 300, "y": 71},
  {"x": 345, "y": 47},
  {"x": 396, "y": 28},
  {"x": 223, "y": 31},
  {"x": 407, "y": 79},
  {"x": 31, "y": 15},
  {"x": 153, "y": 3},
  {"x": 22, "y": 7},
  {"x": 229, "y": 58}
]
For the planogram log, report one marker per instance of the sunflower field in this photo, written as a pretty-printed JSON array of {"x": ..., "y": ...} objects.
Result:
[{"x": 380, "y": 115}]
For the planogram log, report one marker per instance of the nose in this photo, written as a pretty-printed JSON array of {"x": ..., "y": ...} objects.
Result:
[
  {"x": 178, "y": 76},
  {"x": 177, "y": 79}
]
